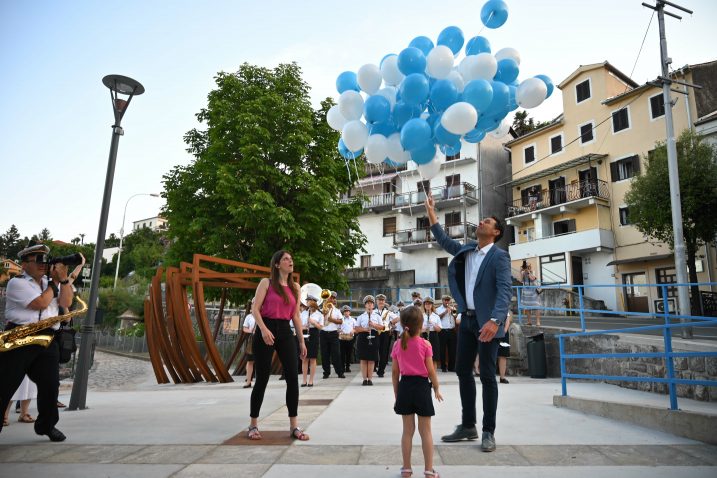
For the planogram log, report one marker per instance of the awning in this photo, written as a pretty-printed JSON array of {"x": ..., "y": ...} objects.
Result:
[
  {"x": 371, "y": 180},
  {"x": 555, "y": 169},
  {"x": 657, "y": 257}
]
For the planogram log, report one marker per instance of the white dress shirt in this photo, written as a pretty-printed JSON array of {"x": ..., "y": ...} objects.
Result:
[
  {"x": 250, "y": 323},
  {"x": 348, "y": 326},
  {"x": 430, "y": 321},
  {"x": 22, "y": 290},
  {"x": 473, "y": 262},
  {"x": 447, "y": 320},
  {"x": 330, "y": 326}
]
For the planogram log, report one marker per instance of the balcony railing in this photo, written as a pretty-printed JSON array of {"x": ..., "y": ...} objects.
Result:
[
  {"x": 423, "y": 235},
  {"x": 554, "y": 197},
  {"x": 440, "y": 193},
  {"x": 379, "y": 201}
]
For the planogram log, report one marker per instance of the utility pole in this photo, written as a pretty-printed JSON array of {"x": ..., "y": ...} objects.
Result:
[{"x": 683, "y": 292}]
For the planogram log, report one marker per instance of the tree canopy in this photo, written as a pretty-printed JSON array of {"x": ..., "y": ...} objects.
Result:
[
  {"x": 266, "y": 175},
  {"x": 523, "y": 125}
]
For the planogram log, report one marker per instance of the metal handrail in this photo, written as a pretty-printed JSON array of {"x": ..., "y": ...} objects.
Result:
[
  {"x": 422, "y": 235},
  {"x": 439, "y": 193},
  {"x": 553, "y": 197}
]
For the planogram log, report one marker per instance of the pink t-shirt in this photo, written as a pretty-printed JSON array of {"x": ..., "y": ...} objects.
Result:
[
  {"x": 274, "y": 306},
  {"x": 412, "y": 361}
]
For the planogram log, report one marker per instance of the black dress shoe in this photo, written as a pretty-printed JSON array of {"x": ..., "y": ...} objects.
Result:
[
  {"x": 365, "y": 382},
  {"x": 380, "y": 374},
  {"x": 342, "y": 376},
  {"x": 326, "y": 375},
  {"x": 55, "y": 435},
  {"x": 461, "y": 433},
  {"x": 369, "y": 382}
]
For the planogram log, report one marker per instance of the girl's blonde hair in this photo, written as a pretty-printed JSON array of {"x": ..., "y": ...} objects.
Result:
[{"x": 412, "y": 323}]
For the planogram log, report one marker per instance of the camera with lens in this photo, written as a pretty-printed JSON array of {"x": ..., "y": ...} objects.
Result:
[{"x": 69, "y": 260}]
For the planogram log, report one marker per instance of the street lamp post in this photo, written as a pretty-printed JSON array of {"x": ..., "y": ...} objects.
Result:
[
  {"x": 123, "y": 85},
  {"x": 124, "y": 214}
]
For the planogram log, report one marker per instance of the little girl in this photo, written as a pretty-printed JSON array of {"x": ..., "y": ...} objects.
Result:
[{"x": 413, "y": 362}]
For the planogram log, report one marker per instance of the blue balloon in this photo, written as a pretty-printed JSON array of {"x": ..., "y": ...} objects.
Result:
[
  {"x": 494, "y": 13},
  {"x": 376, "y": 109},
  {"x": 386, "y": 128},
  {"x": 443, "y": 136},
  {"x": 450, "y": 150},
  {"x": 512, "y": 100},
  {"x": 391, "y": 163},
  {"x": 452, "y": 37},
  {"x": 477, "y": 45},
  {"x": 424, "y": 155},
  {"x": 479, "y": 93},
  {"x": 411, "y": 60},
  {"x": 548, "y": 82},
  {"x": 501, "y": 98},
  {"x": 415, "y": 134},
  {"x": 432, "y": 119},
  {"x": 414, "y": 89},
  {"x": 346, "y": 153},
  {"x": 507, "y": 70},
  {"x": 403, "y": 112},
  {"x": 443, "y": 94},
  {"x": 422, "y": 43},
  {"x": 347, "y": 81},
  {"x": 475, "y": 136}
]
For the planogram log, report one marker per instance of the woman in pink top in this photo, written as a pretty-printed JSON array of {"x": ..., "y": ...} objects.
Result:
[
  {"x": 276, "y": 304},
  {"x": 413, "y": 364}
]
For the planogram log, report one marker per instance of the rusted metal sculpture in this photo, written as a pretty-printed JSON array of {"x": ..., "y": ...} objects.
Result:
[{"x": 173, "y": 348}]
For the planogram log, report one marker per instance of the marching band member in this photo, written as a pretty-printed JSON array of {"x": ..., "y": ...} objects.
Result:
[
  {"x": 431, "y": 326},
  {"x": 396, "y": 323},
  {"x": 329, "y": 337},
  {"x": 347, "y": 338},
  {"x": 384, "y": 339},
  {"x": 447, "y": 336},
  {"x": 367, "y": 342},
  {"x": 311, "y": 323}
]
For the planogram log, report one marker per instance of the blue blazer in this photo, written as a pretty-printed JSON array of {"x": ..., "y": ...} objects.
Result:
[{"x": 493, "y": 289}]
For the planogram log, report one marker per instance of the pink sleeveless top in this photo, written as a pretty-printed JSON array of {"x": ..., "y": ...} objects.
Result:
[{"x": 274, "y": 306}]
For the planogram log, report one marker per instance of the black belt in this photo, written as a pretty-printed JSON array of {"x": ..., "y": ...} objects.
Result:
[
  {"x": 330, "y": 331},
  {"x": 469, "y": 313}
]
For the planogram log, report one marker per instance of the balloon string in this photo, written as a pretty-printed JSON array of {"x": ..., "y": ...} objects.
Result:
[
  {"x": 348, "y": 171},
  {"x": 487, "y": 21},
  {"x": 356, "y": 169}
]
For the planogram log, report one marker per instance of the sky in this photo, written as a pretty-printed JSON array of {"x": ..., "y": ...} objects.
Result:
[{"x": 56, "y": 116}]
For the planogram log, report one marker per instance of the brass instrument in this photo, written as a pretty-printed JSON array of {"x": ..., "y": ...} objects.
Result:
[
  {"x": 328, "y": 307},
  {"x": 384, "y": 320},
  {"x": 23, "y": 335}
]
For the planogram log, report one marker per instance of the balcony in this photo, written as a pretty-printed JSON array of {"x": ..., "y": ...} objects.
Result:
[
  {"x": 568, "y": 199},
  {"x": 591, "y": 240},
  {"x": 409, "y": 240},
  {"x": 445, "y": 197},
  {"x": 376, "y": 204}
]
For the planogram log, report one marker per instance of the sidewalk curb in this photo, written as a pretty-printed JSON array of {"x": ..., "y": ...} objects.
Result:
[
  {"x": 123, "y": 354},
  {"x": 693, "y": 425}
]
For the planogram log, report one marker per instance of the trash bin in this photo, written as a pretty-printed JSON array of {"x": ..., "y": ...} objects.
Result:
[{"x": 537, "y": 367}]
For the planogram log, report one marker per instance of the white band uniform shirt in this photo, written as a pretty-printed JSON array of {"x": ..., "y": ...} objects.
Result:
[
  {"x": 473, "y": 262},
  {"x": 250, "y": 323},
  {"x": 20, "y": 292},
  {"x": 316, "y": 316},
  {"x": 348, "y": 326},
  {"x": 363, "y": 320},
  {"x": 447, "y": 320},
  {"x": 430, "y": 321},
  {"x": 330, "y": 326}
]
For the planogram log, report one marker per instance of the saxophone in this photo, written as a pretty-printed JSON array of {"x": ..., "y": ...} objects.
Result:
[
  {"x": 23, "y": 335},
  {"x": 384, "y": 320}
]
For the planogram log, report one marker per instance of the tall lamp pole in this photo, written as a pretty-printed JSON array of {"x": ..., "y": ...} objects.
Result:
[
  {"x": 124, "y": 214},
  {"x": 123, "y": 85}
]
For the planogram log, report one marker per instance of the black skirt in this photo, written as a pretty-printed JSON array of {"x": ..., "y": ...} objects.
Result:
[
  {"x": 414, "y": 396},
  {"x": 435, "y": 344},
  {"x": 312, "y": 343},
  {"x": 367, "y": 349}
]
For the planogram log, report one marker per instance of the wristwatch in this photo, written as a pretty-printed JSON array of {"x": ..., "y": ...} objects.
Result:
[
  {"x": 65, "y": 282},
  {"x": 496, "y": 321}
]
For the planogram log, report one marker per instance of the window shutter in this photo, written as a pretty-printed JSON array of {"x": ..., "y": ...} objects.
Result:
[
  {"x": 636, "y": 165},
  {"x": 614, "y": 172}
]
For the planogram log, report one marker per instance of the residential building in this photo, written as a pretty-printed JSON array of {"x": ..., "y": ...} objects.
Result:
[
  {"x": 401, "y": 252},
  {"x": 10, "y": 269},
  {"x": 571, "y": 176},
  {"x": 156, "y": 223}
]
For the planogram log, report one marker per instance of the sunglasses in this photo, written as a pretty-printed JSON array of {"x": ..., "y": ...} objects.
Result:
[{"x": 39, "y": 259}]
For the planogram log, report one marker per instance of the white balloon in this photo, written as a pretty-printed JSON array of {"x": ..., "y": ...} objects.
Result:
[
  {"x": 376, "y": 148},
  {"x": 459, "y": 118},
  {"x": 482, "y": 66},
  {"x": 389, "y": 92},
  {"x": 439, "y": 62},
  {"x": 531, "y": 92},
  {"x": 390, "y": 72},
  {"x": 457, "y": 80},
  {"x": 501, "y": 130},
  {"x": 351, "y": 105},
  {"x": 395, "y": 151},
  {"x": 335, "y": 119},
  {"x": 369, "y": 78},
  {"x": 508, "y": 53},
  {"x": 431, "y": 170},
  {"x": 355, "y": 135}
]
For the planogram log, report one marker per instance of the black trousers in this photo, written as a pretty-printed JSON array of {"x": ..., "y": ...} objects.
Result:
[
  {"x": 330, "y": 352},
  {"x": 384, "y": 346},
  {"x": 285, "y": 346},
  {"x": 347, "y": 352},
  {"x": 43, "y": 367},
  {"x": 468, "y": 347},
  {"x": 448, "y": 343}
]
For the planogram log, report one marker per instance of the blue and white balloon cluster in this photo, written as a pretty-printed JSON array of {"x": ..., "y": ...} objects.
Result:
[{"x": 423, "y": 99}]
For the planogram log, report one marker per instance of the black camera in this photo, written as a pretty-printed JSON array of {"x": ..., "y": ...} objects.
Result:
[{"x": 70, "y": 260}]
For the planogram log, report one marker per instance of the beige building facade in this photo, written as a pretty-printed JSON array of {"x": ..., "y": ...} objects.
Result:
[{"x": 570, "y": 179}]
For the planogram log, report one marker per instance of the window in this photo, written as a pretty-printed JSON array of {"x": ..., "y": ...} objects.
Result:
[
  {"x": 668, "y": 275},
  {"x": 625, "y": 168},
  {"x": 453, "y": 156},
  {"x": 453, "y": 180},
  {"x": 389, "y": 261},
  {"x": 582, "y": 91},
  {"x": 453, "y": 218},
  {"x": 552, "y": 269},
  {"x": 624, "y": 216},
  {"x": 556, "y": 144},
  {"x": 424, "y": 186},
  {"x": 564, "y": 227},
  {"x": 422, "y": 223},
  {"x": 389, "y": 226},
  {"x": 530, "y": 196},
  {"x": 529, "y": 154},
  {"x": 586, "y": 133},
  {"x": 365, "y": 261},
  {"x": 620, "y": 120},
  {"x": 657, "y": 106}
]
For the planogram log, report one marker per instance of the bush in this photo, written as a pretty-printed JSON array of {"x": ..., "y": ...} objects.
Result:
[{"x": 114, "y": 302}]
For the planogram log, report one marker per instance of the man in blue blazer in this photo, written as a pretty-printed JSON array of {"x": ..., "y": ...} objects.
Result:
[{"x": 480, "y": 281}]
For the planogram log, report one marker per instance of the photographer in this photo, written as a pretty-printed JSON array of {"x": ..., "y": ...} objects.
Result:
[{"x": 38, "y": 293}]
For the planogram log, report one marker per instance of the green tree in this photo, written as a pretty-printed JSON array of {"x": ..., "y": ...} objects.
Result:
[
  {"x": 11, "y": 243},
  {"x": 142, "y": 251},
  {"x": 649, "y": 202},
  {"x": 112, "y": 241},
  {"x": 523, "y": 125},
  {"x": 266, "y": 176},
  {"x": 44, "y": 236}
]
